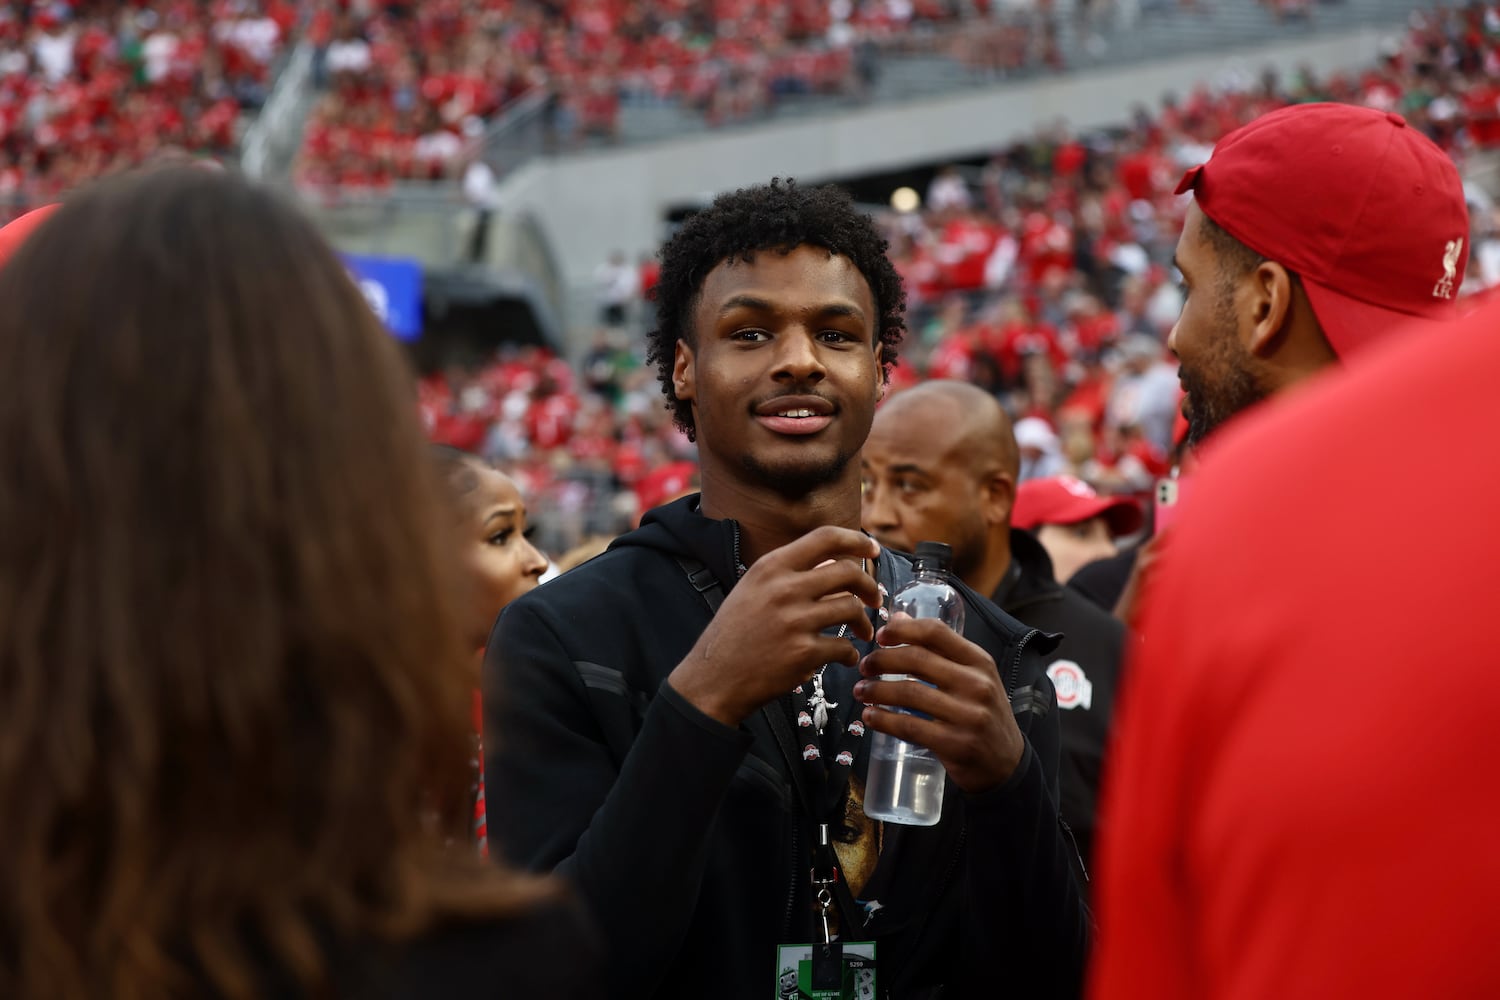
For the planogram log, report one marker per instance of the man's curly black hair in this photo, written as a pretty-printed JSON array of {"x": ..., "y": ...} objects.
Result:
[{"x": 779, "y": 217}]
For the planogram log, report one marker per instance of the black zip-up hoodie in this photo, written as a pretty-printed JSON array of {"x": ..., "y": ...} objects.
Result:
[
  {"x": 1094, "y": 642},
  {"x": 685, "y": 837}
]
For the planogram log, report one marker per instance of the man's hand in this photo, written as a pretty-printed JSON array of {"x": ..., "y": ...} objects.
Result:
[
  {"x": 972, "y": 729},
  {"x": 767, "y": 637}
]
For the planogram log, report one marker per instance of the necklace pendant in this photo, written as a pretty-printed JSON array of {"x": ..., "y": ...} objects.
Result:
[{"x": 819, "y": 704}]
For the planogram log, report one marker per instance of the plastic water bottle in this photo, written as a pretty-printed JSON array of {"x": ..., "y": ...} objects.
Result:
[{"x": 905, "y": 781}]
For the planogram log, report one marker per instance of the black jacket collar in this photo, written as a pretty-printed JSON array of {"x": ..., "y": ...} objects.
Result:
[
  {"x": 1036, "y": 582},
  {"x": 680, "y": 529}
]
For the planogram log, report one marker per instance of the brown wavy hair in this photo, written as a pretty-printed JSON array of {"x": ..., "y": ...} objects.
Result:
[{"x": 234, "y": 693}]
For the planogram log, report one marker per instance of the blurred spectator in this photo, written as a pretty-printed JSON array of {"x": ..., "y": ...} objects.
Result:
[
  {"x": 245, "y": 776},
  {"x": 618, "y": 285},
  {"x": 1074, "y": 524},
  {"x": 1145, "y": 394},
  {"x": 481, "y": 194},
  {"x": 1254, "y": 847},
  {"x": 948, "y": 192},
  {"x": 1039, "y": 445}
]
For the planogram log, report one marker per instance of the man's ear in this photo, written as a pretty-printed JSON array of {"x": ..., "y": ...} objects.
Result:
[
  {"x": 1269, "y": 309},
  {"x": 998, "y": 497},
  {"x": 683, "y": 382}
]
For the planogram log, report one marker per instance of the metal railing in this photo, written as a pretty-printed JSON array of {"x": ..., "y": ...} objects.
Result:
[
  {"x": 524, "y": 130},
  {"x": 273, "y": 137}
]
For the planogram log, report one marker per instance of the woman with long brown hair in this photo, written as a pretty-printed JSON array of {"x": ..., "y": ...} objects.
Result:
[{"x": 234, "y": 675}]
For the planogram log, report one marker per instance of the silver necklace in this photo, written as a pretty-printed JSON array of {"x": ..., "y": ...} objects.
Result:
[{"x": 818, "y": 701}]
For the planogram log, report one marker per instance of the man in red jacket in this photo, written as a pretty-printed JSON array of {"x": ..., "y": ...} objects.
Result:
[{"x": 1298, "y": 809}]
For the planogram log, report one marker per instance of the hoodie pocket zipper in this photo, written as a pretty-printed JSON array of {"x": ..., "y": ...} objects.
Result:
[{"x": 1015, "y": 664}]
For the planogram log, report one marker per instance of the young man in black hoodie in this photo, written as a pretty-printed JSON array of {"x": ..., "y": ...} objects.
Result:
[
  {"x": 941, "y": 465},
  {"x": 678, "y": 726}
]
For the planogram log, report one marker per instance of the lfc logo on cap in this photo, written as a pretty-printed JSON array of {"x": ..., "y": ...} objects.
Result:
[{"x": 1444, "y": 288}]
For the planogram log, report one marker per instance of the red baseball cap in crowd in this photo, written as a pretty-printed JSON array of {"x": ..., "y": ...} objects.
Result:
[
  {"x": 1367, "y": 210},
  {"x": 1067, "y": 500},
  {"x": 14, "y": 233}
]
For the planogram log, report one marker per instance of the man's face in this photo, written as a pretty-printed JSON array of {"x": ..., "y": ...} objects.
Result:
[
  {"x": 1073, "y": 546},
  {"x": 784, "y": 373},
  {"x": 916, "y": 489},
  {"x": 1214, "y": 367}
]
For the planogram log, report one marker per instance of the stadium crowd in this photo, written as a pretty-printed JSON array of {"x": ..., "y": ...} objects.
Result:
[
  {"x": 87, "y": 88},
  {"x": 1044, "y": 276},
  {"x": 90, "y": 88},
  {"x": 408, "y": 86}
]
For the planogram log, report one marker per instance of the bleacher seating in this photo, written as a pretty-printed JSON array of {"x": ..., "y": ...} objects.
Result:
[{"x": 87, "y": 88}]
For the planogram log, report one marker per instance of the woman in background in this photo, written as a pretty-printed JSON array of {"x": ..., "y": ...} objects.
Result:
[
  {"x": 491, "y": 516},
  {"x": 235, "y": 658},
  {"x": 502, "y": 565}
]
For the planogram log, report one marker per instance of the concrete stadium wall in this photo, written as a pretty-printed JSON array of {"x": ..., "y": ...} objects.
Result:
[{"x": 588, "y": 204}]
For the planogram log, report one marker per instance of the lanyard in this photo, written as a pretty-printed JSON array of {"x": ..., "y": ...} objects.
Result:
[
  {"x": 820, "y": 785},
  {"x": 814, "y": 783}
]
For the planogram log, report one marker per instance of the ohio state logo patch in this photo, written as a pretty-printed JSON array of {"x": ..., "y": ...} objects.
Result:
[{"x": 1074, "y": 689}]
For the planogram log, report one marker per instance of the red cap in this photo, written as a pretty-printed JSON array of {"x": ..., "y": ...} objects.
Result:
[
  {"x": 1368, "y": 211},
  {"x": 14, "y": 233},
  {"x": 1066, "y": 500}
]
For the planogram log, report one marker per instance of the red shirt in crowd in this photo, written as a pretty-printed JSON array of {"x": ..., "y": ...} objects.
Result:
[
  {"x": 1019, "y": 338},
  {"x": 549, "y": 421}
]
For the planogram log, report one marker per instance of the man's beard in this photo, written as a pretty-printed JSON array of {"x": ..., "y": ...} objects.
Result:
[
  {"x": 799, "y": 481},
  {"x": 1209, "y": 405}
]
